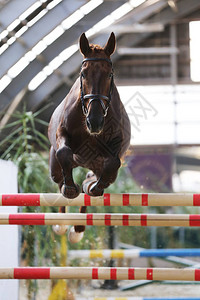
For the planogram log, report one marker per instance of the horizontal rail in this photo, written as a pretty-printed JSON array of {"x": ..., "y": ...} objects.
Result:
[
  {"x": 100, "y": 273},
  {"x": 182, "y": 220},
  {"x": 132, "y": 253},
  {"x": 163, "y": 199}
]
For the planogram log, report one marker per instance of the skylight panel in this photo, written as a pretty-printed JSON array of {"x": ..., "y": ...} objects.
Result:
[
  {"x": 39, "y": 47},
  {"x": 90, "y": 6},
  {"x": 30, "y": 10},
  {"x": 37, "y": 18},
  {"x": 21, "y": 31},
  {"x": 53, "y": 35},
  {"x": 3, "y": 48},
  {"x": 37, "y": 80},
  {"x": 11, "y": 40},
  {"x": 15, "y": 23},
  {"x": 67, "y": 53},
  {"x": 56, "y": 63},
  {"x": 48, "y": 70},
  {"x": 3, "y": 34},
  {"x": 18, "y": 67},
  {"x": 73, "y": 19},
  {"x": 105, "y": 22},
  {"x": 53, "y": 4},
  {"x": 136, "y": 3},
  {"x": 5, "y": 81},
  {"x": 53, "y": 65},
  {"x": 121, "y": 11},
  {"x": 30, "y": 56}
]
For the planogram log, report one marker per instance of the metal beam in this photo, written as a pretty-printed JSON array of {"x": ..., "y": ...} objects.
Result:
[
  {"x": 166, "y": 16},
  {"x": 173, "y": 57},
  {"x": 147, "y": 51},
  {"x": 143, "y": 12},
  {"x": 174, "y": 79},
  {"x": 145, "y": 27}
]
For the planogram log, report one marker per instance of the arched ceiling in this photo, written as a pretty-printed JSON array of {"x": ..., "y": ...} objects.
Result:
[{"x": 39, "y": 54}]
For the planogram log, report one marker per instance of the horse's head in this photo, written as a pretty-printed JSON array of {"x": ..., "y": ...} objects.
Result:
[{"x": 96, "y": 80}]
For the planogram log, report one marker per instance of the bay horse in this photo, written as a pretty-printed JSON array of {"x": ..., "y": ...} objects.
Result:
[{"x": 90, "y": 128}]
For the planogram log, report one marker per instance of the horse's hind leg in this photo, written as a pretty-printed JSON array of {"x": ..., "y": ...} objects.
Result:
[{"x": 76, "y": 232}]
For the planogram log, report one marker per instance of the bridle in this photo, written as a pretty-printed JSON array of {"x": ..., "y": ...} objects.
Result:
[{"x": 98, "y": 97}]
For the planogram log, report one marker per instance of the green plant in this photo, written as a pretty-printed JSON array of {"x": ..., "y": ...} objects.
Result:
[{"x": 27, "y": 148}]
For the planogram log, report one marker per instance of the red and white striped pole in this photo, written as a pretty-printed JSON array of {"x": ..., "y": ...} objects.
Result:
[
  {"x": 182, "y": 220},
  {"x": 100, "y": 273},
  {"x": 165, "y": 199}
]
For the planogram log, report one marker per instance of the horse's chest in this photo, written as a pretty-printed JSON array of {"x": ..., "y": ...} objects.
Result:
[
  {"x": 88, "y": 154},
  {"x": 88, "y": 159}
]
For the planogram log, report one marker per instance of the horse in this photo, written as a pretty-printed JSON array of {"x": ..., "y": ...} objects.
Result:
[{"x": 90, "y": 128}]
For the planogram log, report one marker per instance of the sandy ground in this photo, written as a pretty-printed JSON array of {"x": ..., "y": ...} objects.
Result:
[
  {"x": 84, "y": 288},
  {"x": 151, "y": 290}
]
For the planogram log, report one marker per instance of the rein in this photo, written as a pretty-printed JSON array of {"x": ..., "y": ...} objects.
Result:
[{"x": 98, "y": 97}]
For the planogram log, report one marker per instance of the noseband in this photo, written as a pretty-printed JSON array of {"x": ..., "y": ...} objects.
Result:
[{"x": 98, "y": 97}]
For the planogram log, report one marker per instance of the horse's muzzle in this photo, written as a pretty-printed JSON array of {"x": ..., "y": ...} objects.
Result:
[{"x": 95, "y": 126}]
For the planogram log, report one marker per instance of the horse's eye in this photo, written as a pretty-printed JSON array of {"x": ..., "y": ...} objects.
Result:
[
  {"x": 110, "y": 75},
  {"x": 83, "y": 75}
]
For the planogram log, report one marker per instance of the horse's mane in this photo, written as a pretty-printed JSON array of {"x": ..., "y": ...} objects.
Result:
[{"x": 96, "y": 48}]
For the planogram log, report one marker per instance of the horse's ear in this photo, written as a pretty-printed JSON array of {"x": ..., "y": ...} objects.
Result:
[
  {"x": 110, "y": 46},
  {"x": 84, "y": 45}
]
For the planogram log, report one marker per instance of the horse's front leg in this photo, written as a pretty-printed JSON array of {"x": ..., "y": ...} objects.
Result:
[
  {"x": 108, "y": 176},
  {"x": 64, "y": 156}
]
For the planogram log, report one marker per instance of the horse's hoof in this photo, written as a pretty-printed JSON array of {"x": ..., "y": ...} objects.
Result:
[
  {"x": 75, "y": 237},
  {"x": 95, "y": 191},
  {"x": 60, "y": 229},
  {"x": 90, "y": 174},
  {"x": 70, "y": 192}
]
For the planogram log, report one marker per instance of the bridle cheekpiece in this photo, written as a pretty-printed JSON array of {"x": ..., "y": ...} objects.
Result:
[{"x": 98, "y": 97}]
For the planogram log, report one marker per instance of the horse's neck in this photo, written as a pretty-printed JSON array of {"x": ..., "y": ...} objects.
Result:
[
  {"x": 72, "y": 107},
  {"x": 74, "y": 92}
]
